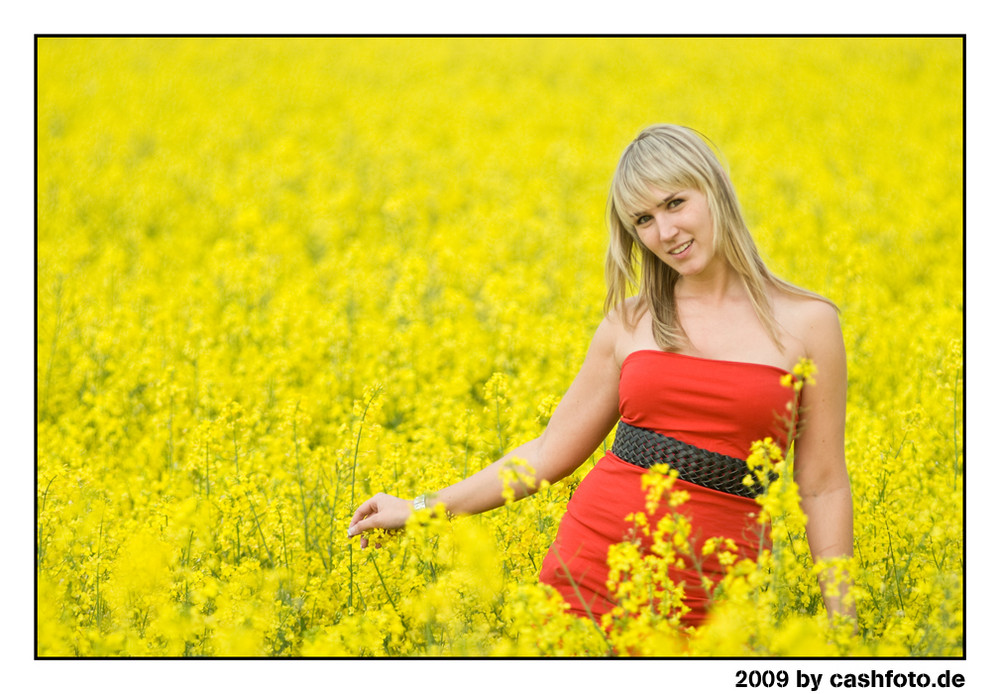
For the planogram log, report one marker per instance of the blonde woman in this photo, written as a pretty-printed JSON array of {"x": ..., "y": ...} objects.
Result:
[{"x": 690, "y": 370}]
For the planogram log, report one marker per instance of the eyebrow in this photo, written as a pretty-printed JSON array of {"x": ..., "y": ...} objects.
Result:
[{"x": 662, "y": 202}]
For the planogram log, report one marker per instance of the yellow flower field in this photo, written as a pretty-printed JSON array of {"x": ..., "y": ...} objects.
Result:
[{"x": 278, "y": 275}]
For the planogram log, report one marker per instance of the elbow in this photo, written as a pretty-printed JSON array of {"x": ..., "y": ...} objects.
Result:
[
  {"x": 829, "y": 480},
  {"x": 835, "y": 490}
]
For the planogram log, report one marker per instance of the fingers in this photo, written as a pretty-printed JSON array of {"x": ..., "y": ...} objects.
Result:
[
  {"x": 362, "y": 525},
  {"x": 370, "y": 515},
  {"x": 365, "y": 509},
  {"x": 380, "y": 511},
  {"x": 369, "y": 523},
  {"x": 365, "y": 518}
]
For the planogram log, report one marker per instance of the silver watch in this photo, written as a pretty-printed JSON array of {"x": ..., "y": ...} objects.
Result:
[{"x": 420, "y": 502}]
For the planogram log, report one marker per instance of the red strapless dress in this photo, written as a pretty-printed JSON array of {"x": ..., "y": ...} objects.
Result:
[{"x": 721, "y": 406}]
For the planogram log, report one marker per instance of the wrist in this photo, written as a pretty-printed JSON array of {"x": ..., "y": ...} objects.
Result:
[{"x": 428, "y": 501}]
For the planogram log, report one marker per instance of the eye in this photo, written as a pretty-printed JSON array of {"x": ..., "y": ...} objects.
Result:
[
  {"x": 674, "y": 203},
  {"x": 643, "y": 220}
]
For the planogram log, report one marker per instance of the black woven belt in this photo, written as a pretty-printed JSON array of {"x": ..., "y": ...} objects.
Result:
[{"x": 716, "y": 471}]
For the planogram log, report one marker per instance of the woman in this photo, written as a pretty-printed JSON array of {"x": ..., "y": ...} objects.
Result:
[{"x": 696, "y": 356}]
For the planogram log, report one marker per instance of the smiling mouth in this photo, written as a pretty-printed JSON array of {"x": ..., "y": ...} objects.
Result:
[{"x": 681, "y": 249}]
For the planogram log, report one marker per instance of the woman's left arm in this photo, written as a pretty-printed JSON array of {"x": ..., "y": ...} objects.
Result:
[{"x": 820, "y": 465}]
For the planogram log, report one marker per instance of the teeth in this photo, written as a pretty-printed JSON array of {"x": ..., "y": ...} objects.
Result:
[{"x": 682, "y": 248}]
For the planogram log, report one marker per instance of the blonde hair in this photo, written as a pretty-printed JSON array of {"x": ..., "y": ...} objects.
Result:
[{"x": 670, "y": 157}]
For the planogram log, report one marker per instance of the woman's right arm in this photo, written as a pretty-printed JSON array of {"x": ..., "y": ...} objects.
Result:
[{"x": 582, "y": 420}]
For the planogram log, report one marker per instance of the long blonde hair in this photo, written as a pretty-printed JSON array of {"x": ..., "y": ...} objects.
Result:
[{"x": 671, "y": 157}]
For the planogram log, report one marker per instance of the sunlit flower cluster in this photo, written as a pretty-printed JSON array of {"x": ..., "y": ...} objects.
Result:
[{"x": 276, "y": 276}]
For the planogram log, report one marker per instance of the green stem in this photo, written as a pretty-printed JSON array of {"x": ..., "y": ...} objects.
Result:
[
  {"x": 256, "y": 521},
  {"x": 895, "y": 572},
  {"x": 954, "y": 431},
  {"x": 41, "y": 528},
  {"x": 97, "y": 573},
  {"x": 357, "y": 442},
  {"x": 579, "y": 596},
  {"x": 354, "y": 471},
  {"x": 298, "y": 468},
  {"x": 284, "y": 544},
  {"x": 388, "y": 596}
]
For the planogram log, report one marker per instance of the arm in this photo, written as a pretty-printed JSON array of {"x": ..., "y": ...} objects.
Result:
[
  {"x": 820, "y": 466},
  {"x": 583, "y": 419}
]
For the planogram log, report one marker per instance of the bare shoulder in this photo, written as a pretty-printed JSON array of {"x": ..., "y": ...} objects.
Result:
[
  {"x": 812, "y": 320},
  {"x": 627, "y": 311},
  {"x": 626, "y": 328},
  {"x": 611, "y": 329},
  {"x": 622, "y": 320}
]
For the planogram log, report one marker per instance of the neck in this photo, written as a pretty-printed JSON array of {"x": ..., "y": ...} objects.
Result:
[{"x": 714, "y": 286}]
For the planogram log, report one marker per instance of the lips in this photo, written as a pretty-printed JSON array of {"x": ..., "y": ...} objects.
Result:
[{"x": 683, "y": 247}]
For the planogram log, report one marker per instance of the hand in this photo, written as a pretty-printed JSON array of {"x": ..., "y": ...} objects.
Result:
[{"x": 380, "y": 511}]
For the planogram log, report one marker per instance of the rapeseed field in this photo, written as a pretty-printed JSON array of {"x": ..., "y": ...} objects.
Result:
[{"x": 275, "y": 276}]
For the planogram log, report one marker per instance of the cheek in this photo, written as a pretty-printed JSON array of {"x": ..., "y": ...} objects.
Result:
[{"x": 645, "y": 239}]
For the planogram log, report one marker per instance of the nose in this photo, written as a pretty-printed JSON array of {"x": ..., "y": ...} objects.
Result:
[{"x": 664, "y": 227}]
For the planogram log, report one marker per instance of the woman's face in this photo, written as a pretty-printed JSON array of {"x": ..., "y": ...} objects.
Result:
[{"x": 677, "y": 227}]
